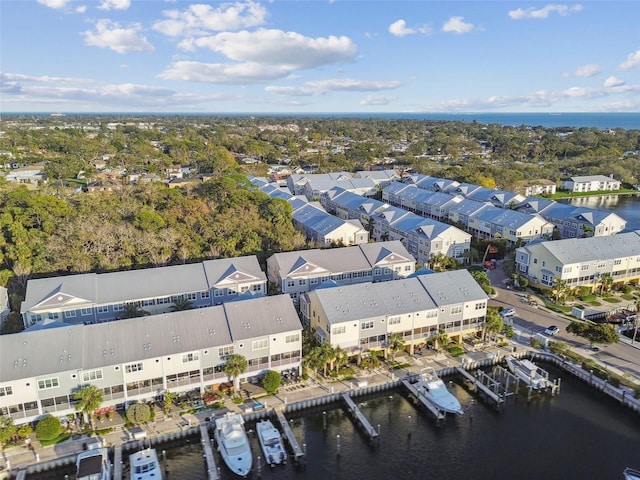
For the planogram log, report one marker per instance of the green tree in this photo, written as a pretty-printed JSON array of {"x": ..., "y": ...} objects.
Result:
[
  {"x": 138, "y": 413},
  {"x": 271, "y": 381},
  {"x": 134, "y": 310},
  {"x": 168, "y": 400},
  {"x": 341, "y": 358},
  {"x": 602, "y": 333},
  {"x": 48, "y": 428},
  {"x": 440, "y": 339},
  {"x": 395, "y": 343},
  {"x": 7, "y": 430},
  {"x": 493, "y": 323},
  {"x": 12, "y": 323},
  {"x": 89, "y": 399},
  {"x": 180, "y": 304},
  {"x": 560, "y": 289},
  {"x": 235, "y": 366}
]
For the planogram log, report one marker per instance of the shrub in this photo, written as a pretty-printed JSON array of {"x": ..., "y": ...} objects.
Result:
[
  {"x": 48, "y": 428},
  {"x": 138, "y": 413},
  {"x": 456, "y": 351},
  {"x": 271, "y": 381}
]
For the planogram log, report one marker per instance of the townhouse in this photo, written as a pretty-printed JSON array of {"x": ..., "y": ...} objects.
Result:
[
  {"x": 590, "y": 183},
  {"x": 581, "y": 261},
  {"x": 141, "y": 358},
  {"x": 301, "y": 271},
  {"x": 360, "y": 318},
  {"x": 103, "y": 297}
]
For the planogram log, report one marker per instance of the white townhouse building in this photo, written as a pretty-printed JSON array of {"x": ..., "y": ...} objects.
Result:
[
  {"x": 301, "y": 271},
  {"x": 323, "y": 228},
  {"x": 590, "y": 183},
  {"x": 381, "y": 178},
  {"x": 581, "y": 261},
  {"x": 101, "y": 297},
  {"x": 141, "y": 358},
  {"x": 510, "y": 225},
  {"x": 360, "y": 318},
  {"x": 540, "y": 186},
  {"x": 297, "y": 182},
  {"x": 348, "y": 205}
]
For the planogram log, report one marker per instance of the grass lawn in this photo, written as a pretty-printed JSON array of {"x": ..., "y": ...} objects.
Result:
[
  {"x": 612, "y": 299},
  {"x": 60, "y": 438},
  {"x": 628, "y": 296}
]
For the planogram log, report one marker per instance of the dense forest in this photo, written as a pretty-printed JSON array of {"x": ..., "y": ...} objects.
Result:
[{"x": 58, "y": 229}]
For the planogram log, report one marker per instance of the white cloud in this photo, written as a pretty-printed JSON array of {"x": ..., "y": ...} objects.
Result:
[
  {"x": 457, "y": 25},
  {"x": 377, "y": 100},
  {"x": 202, "y": 19},
  {"x": 224, "y": 73},
  {"x": 613, "y": 82},
  {"x": 544, "y": 12},
  {"x": 81, "y": 9},
  {"x": 114, "y": 4},
  {"x": 109, "y": 34},
  {"x": 633, "y": 61},
  {"x": 21, "y": 77},
  {"x": 286, "y": 50},
  {"x": 585, "y": 71},
  {"x": 399, "y": 29},
  {"x": 54, "y": 3},
  {"x": 322, "y": 87}
]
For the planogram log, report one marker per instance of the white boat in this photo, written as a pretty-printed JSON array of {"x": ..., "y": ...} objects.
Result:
[
  {"x": 233, "y": 443},
  {"x": 433, "y": 388},
  {"x": 144, "y": 465},
  {"x": 529, "y": 372},
  {"x": 93, "y": 465},
  {"x": 271, "y": 443},
  {"x": 631, "y": 474}
]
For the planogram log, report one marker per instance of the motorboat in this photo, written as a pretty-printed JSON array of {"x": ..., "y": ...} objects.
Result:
[
  {"x": 434, "y": 389},
  {"x": 233, "y": 443},
  {"x": 93, "y": 465},
  {"x": 631, "y": 474},
  {"x": 271, "y": 443},
  {"x": 144, "y": 465},
  {"x": 529, "y": 372}
]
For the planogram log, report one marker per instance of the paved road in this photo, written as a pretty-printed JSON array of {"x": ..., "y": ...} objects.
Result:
[{"x": 531, "y": 319}]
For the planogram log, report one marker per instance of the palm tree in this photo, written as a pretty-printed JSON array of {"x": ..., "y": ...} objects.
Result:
[
  {"x": 180, "y": 304},
  {"x": 168, "y": 400},
  {"x": 89, "y": 399},
  {"x": 235, "y": 366},
  {"x": 327, "y": 355},
  {"x": 606, "y": 280},
  {"x": 560, "y": 288},
  {"x": 395, "y": 343},
  {"x": 134, "y": 310},
  {"x": 312, "y": 360},
  {"x": 440, "y": 339},
  {"x": 341, "y": 358}
]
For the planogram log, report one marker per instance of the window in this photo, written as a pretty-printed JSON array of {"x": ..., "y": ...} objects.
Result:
[
  {"x": 377, "y": 271},
  {"x": 584, "y": 267},
  {"x": 190, "y": 296},
  {"x": 5, "y": 391},
  {"x": 617, "y": 262},
  {"x": 118, "y": 307},
  {"x": 292, "y": 338},
  {"x": 86, "y": 311},
  {"x": 218, "y": 292},
  {"x": 164, "y": 300},
  {"x": 394, "y": 320},
  {"x": 407, "y": 268},
  {"x": 260, "y": 344},
  {"x": 313, "y": 281},
  {"x": 231, "y": 291},
  {"x": 480, "y": 306},
  {"x": 339, "y": 330},
  {"x": 133, "y": 367},
  {"x": 189, "y": 357},
  {"x": 103, "y": 309},
  {"x": 35, "y": 317},
  {"x": 205, "y": 294},
  {"x": 91, "y": 375},
  {"x": 46, "y": 383},
  {"x": 148, "y": 303},
  {"x": 291, "y": 283},
  {"x": 367, "y": 325},
  {"x": 224, "y": 351},
  {"x": 70, "y": 314},
  {"x": 257, "y": 288},
  {"x": 53, "y": 315},
  {"x": 456, "y": 310}
]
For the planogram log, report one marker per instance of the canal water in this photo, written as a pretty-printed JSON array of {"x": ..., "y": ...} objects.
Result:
[{"x": 579, "y": 434}]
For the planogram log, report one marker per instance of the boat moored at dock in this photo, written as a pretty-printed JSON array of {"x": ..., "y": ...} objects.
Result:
[
  {"x": 233, "y": 443},
  {"x": 529, "y": 372},
  {"x": 271, "y": 443},
  {"x": 434, "y": 389},
  {"x": 144, "y": 465},
  {"x": 93, "y": 465}
]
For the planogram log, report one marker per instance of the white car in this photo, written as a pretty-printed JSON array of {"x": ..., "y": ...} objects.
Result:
[
  {"x": 552, "y": 330},
  {"x": 508, "y": 312}
]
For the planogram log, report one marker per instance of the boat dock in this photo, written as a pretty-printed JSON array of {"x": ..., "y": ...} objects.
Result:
[
  {"x": 359, "y": 416},
  {"x": 488, "y": 390},
  {"x": 438, "y": 415},
  {"x": 212, "y": 469},
  {"x": 291, "y": 439},
  {"x": 117, "y": 462}
]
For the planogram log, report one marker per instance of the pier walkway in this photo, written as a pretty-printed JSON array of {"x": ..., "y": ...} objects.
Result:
[
  {"x": 291, "y": 439},
  {"x": 497, "y": 399},
  {"x": 212, "y": 468},
  {"x": 359, "y": 416}
]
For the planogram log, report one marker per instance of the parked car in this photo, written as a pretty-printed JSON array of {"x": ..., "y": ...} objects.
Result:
[
  {"x": 552, "y": 330},
  {"x": 508, "y": 312}
]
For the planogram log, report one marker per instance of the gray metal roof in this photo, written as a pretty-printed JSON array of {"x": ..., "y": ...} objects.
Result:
[
  {"x": 581, "y": 250},
  {"x": 369, "y": 300},
  {"x": 454, "y": 287},
  {"x": 230, "y": 270},
  {"x": 261, "y": 316},
  {"x": 60, "y": 290}
]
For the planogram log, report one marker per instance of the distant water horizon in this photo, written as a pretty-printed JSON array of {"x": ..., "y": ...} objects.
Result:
[{"x": 602, "y": 120}]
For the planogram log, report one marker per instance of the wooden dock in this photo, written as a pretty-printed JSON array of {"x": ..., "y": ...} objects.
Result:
[
  {"x": 117, "y": 462},
  {"x": 21, "y": 475},
  {"x": 359, "y": 416},
  {"x": 212, "y": 468},
  {"x": 493, "y": 396},
  {"x": 291, "y": 439},
  {"x": 436, "y": 412}
]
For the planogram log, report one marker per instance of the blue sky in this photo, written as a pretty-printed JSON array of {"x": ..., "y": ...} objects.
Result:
[{"x": 301, "y": 56}]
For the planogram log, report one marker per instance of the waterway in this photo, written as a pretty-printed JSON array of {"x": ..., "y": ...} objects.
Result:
[
  {"x": 578, "y": 434},
  {"x": 626, "y": 206}
]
